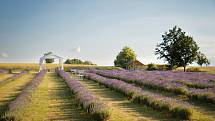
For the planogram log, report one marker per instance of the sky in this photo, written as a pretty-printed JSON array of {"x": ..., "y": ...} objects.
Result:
[{"x": 97, "y": 30}]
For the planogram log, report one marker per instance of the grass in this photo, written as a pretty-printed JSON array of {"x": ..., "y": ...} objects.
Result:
[
  {"x": 37, "y": 107},
  {"x": 35, "y": 66},
  {"x": 10, "y": 90},
  {"x": 3, "y": 76},
  {"x": 210, "y": 69},
  {"x": 202, "y": 111},
  {"x": 121, "y": 108},
  {"x": 62, "y": 105},
  {"x": 198, "y": 113},
  {"x": 52, "y": 100}
]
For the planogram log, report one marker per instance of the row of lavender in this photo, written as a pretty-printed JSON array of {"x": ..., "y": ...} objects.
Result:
[
  {"x": 15, "y": 76},
  {"x": 137, "y": 95},
  {"x": 199, "y": 80},
  {"x": 3, "y": 71},
  {"x": 167, "y": 81},
  {"x": 86, "y": 99},
  {"x": 24, "y": 96}
]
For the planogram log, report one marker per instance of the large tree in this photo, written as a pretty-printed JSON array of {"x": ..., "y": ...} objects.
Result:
[
  {"x": 185, "y": 51},
  {"x": 177, "y": 48},
  {"x": 202, "y": 59},
  {"x": 125, "y": 56}
]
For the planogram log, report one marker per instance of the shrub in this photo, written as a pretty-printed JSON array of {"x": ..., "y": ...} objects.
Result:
[{"x": 152, "y": 67}]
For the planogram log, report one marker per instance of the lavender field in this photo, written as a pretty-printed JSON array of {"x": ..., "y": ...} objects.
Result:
[
  {"x": 107, "y": 95},
  {"x": 107, "y": 60}
]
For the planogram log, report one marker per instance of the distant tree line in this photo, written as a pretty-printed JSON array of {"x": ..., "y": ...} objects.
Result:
[{"x": 78, "y": 61}]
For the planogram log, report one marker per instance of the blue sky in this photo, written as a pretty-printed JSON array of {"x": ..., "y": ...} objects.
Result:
[{"x": 97, "y": 30}]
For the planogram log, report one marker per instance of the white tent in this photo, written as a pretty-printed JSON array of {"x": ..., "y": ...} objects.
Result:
[{"x": 50, "y": 55}]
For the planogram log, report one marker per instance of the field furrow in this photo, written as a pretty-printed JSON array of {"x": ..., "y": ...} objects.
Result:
[
  {"x": 204, "y": 110},
  {"x": 37, "y": 107},
  {"x": 197, "y": 113},
  {"x": 121, "y": 108},
  {"x": 62, "y": 105},
  {"x": 10, "y": 90}
]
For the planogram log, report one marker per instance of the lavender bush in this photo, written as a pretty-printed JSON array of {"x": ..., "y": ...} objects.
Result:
[
  {"x": 190, "y": 79},
  {"x": 24, "y": 96},
  {"x": 138, "y": 95},
  {"x": 196, "y": 86},
  {"x": 86, "y": 99}
]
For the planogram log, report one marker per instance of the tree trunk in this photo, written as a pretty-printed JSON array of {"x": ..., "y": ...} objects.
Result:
[{"x": 184, "y": 68}]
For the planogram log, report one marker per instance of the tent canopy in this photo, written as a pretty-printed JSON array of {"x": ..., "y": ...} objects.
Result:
[{"x": 50, "y": 55}]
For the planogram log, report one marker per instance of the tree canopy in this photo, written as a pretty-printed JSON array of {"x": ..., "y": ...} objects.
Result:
[
  {"x": 78, "y": 61},
  {"x": 177, "y": 48},
  {"x": 202, "y": 59},
  {"x": 125, "y": 56}
]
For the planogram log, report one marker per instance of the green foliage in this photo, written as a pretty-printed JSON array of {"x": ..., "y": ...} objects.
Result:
[
  {"x": 125, "y": 56},
  {"x": 49, "y": 60},
  {"x": 152, "y": 67},
  {"x": 78, "y": 61},
  {"x": 202, "y": 59},
  {"x": 177, "y": 48},
  {"x": 87, "y": 63},
  {"x": 73, "y": 61}
]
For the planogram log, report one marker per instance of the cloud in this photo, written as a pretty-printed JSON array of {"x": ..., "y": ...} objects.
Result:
[
  {"x": 77, "y": 49},
  {"x": 3, "y": 55}
]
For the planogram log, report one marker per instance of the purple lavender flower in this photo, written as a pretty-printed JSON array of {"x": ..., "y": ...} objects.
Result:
[
  {"x": 86, "y": 99},
  {"x": 26, "y": 93},
  {"x": 144, "y": 97}
]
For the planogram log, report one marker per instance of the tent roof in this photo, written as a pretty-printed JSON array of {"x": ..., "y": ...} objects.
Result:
[{"x": 50, "y": 55}]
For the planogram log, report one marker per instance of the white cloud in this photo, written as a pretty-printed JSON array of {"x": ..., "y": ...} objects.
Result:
[
  {"x": 3, "y": 55},
  {"x": 77, "y": 49}
]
